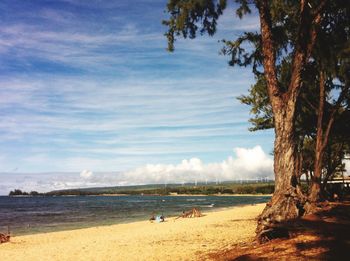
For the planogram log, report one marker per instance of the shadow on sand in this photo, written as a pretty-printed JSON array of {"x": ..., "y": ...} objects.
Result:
[{"x": 321, "y": 236}]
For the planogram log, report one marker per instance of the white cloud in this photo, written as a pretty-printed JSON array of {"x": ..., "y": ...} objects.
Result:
[
  {"x": 115, "y": 125},
  {"x": 247, "y": 164},
  {"x": 44, "y": 182},
  {"x": 78, "y": 48},
  {"x": 86, "y": 174},
  {"x": 139, "y": 105}
]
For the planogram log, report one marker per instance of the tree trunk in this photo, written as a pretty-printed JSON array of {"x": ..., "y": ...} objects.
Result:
[
  {"x": 307, "y": 180},
  {"x": 322, "y": 138},
  {"x": 287, "y": 201},
  {"x": 308, "y": 177},
  {"x": 334, "y": 160},
  {"x": 315, "y": 194},
  {"x": 299, "y": 160}
]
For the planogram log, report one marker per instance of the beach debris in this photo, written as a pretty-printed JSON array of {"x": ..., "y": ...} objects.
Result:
[
  {"x": 5, "y": 237},
  {"x": 194, "y": 212}
]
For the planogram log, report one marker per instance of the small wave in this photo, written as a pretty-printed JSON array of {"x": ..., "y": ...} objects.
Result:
[
  {"x": 50, "y": 214},
  {"x": 209, "y": 206},
  {"x": 140, "y": 201}
]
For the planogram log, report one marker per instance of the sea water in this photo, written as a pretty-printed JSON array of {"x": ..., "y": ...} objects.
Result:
[{"x": 29, "y": 215}]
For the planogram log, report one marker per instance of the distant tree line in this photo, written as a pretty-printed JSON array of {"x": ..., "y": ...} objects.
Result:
[
  {"x": 229, "y": 188},
  {"x": 18, "y": 192}
]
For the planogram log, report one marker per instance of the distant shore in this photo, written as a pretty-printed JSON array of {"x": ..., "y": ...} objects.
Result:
[
  {"x": 172, "y": 194},
  {"x": 222, "y": 195},
  {"x": 175, "y": 239},
  {"x": 187, "y": 195}
]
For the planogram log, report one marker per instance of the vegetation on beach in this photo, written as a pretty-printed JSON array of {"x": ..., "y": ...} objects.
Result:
[{"x": 171, "y": 189}]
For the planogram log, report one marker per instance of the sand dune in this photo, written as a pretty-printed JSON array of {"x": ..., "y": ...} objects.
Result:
[{"x": 181, "y": 239}]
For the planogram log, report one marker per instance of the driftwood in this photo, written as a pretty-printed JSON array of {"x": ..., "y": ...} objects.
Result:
[
  {"x": 194, "y": 212},
  {"x": 5, "y": 237}
]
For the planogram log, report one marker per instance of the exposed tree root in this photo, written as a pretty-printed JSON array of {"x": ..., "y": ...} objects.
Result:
[{"x": 282, "y": 207}]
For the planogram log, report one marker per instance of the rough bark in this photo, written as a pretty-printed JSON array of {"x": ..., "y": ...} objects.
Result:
[{"x": 287, "y": 201}]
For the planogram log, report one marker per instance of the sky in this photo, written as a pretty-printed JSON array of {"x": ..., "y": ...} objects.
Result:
[{"x": 90, "y": 97}]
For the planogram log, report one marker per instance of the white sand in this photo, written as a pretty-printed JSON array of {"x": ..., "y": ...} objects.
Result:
[{"x": 181, "y": 239}]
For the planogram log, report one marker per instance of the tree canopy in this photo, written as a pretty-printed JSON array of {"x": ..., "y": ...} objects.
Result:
[{"x": 300, "y": 61}]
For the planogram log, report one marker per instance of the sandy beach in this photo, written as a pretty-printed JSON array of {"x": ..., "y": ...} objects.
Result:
[{"x": 180, "y": 239}]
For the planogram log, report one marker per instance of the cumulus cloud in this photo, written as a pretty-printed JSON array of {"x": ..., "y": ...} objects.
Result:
[
  {"x": 86, "y": 174},
  {"x": 247, "y": 164},
  {"x": 44, "y": 182}
]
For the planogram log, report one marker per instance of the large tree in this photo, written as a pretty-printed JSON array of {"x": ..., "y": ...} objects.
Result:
[
  {"x": 323, "y": 100},
  {"x": 288, "y": 31}
]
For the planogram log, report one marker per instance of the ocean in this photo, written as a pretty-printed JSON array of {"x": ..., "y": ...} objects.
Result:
[{"x": 31, "y": 215}]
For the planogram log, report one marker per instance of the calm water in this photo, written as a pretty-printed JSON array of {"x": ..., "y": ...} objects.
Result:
[{"x": 28, "y": 215}]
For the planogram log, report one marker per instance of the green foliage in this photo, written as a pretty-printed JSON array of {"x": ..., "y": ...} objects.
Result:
[
  {"x": 267, "y": 189},
  {"x": 292, "y": 25},
  {"x": 211, "y": 189},
  {"x": 243, "y": 8},
  {"x": 331, "y": 55},
  {"x": 187, "y": 17},
  {"x": 260, "y": 105},
  {"x": 18, "y": 192},
  {"x": 242, "y": 54}
]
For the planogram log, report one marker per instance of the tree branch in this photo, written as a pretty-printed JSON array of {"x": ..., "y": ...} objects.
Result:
[
  {"x": 317, "y": 15},
  {"x": 320, "y": 140},
  {"x": 310, "y": 104},
  {"x": 307, "y": 30},
  {"x": 341, "y": 98},
  {"x": 269, "y": 52}
]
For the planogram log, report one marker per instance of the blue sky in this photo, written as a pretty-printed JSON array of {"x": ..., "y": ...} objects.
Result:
[{"x": 89, "y": 85}]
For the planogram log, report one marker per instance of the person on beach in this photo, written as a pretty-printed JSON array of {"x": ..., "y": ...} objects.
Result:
[{"x": 153, "y": 218}]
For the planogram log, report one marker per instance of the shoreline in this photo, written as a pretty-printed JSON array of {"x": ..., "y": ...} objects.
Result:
[
  {"x": 175, "y": 239},
  {"x": 179, "y": 195},
  {"x": 125, "y": 195},
  {"x": 170, "y": 206},
  {"x": 221, "y": 195}
]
